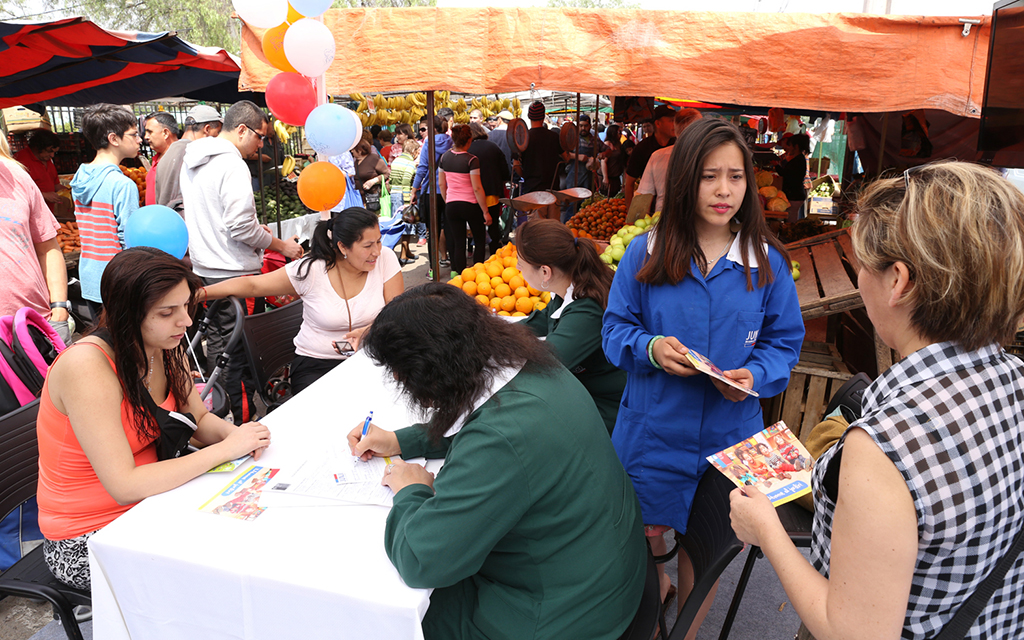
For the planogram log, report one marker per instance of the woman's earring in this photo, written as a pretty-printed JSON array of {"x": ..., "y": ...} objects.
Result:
[{"x": 735, "y": 225}]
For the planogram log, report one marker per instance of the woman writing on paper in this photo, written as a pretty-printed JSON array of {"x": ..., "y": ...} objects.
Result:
[
  {"x": 551, "y": 259},
  {"x": 531, "y": 529},
  {"x": 922, "y": 497},
  {"x": 712, "y": 277},
  {"x": 106, "y": 401},
  {"x": 344, "y": 282}
]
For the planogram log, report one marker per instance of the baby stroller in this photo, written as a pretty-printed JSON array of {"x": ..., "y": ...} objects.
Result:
[{"x": 211, "y": 392}]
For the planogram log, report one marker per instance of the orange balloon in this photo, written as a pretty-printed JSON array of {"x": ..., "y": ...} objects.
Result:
[
  {"x": 293, "y": 15},
  {"x": 321, "y": 186},
  {"x": 273, "y": 47}
]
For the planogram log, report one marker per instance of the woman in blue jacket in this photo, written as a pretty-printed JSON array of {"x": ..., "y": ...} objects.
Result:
[{"x": 710, "y": 276}]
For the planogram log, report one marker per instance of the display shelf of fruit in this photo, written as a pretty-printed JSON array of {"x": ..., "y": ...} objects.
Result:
[
  {"x": 619, "y": 240},
  {"x": 599, "y": 220},
  {"x": 138, "y": 176},
  {"x": 498, "y": 284},
  {"x": 290, "y": 204}
]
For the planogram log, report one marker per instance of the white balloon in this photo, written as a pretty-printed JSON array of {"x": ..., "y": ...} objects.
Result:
[
  {"x": 263, "y": 14},
  {"x": 309, "y": 47},
  {"x": 359, "y": 128}
]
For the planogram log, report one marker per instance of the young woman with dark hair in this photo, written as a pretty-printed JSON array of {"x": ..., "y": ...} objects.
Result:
[
  {"x": 531, "y": 528},
  {"x": 103, "y": 403},
  {"x": 464, "y": 197},
  {"x": 344, "y": 282},
  {"x": 552, "y": 260},
  {"x": 712, "y": 277}
]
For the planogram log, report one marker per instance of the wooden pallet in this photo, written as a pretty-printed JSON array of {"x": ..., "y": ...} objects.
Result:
[
  {"x": 815, "y": 379},
  {"x": 826, "y": 262}
]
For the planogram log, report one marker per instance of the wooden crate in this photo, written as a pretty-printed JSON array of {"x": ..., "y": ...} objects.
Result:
[
  {"x": 815, "y": 379},
  {"x": 827, "y": 274}
]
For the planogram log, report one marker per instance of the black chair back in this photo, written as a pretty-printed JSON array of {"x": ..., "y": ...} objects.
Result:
[
  {"x": 268, "y": 339},
  {"x": 19, "y": 457}
]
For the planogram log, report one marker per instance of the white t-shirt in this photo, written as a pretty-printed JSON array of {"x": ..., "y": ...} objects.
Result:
[
  {"x": 324, "y": 315},
  {"x": 653, "y": 180}
]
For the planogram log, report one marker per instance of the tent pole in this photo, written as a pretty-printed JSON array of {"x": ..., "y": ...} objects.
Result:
[
  {"x": 593, "y": 149},
  {"x": 881, "y": 147},
  {"x": 277, "y": 177},
  {"x": 435, "y": 237},
  {"x": 259, "y": 178}
]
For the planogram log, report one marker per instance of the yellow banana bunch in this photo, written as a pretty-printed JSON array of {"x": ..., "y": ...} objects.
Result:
[
  {"x": 287, "y": 166},
  {"x": 357, "y": 97},
  {"x": 504, "y": 103},
  {"x": 515, "y": 105},
  {"x": 281, "y": 131},
  {"x": 362, "y": 106},
  {"x": 378, "y": 102},
  {"x": 364, "y": 118}
]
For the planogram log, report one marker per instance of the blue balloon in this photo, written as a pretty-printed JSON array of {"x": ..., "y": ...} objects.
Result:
[
  {"x": 159, "y": 227},
  {"x": 311, "y": 8},
  {"x": 331, "y": 129}
]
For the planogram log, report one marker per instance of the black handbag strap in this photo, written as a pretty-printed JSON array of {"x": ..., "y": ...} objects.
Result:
[{"x": 963, "y": 619}]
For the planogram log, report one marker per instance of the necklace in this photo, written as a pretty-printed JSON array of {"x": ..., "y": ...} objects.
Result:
[
  {"x": 728, "y": 244},
  {"x": 150, "y": 376}
]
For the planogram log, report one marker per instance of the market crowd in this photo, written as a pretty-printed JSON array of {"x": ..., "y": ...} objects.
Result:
[{"x": 914, "y": 505}]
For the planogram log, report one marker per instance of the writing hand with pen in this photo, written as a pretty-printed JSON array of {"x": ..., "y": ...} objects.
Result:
[{"x": 370, "y": 441}]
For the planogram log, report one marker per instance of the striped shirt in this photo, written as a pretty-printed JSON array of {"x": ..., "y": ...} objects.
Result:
[
  {"x": 104, "y": 199},
  {"x": 403, "y": 170},
  {"x": 950, "y": 420}
]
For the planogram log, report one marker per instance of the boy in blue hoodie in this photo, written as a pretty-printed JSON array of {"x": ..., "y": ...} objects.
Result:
[{"x": 104, "y": 197}]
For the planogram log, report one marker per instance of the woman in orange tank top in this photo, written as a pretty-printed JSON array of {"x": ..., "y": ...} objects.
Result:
[{"x": 97, "y": 428}]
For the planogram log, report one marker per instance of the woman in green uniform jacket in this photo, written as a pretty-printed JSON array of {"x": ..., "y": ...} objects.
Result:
[
  {"x": 551, "y": 259},
  {"x": 531, "y": 529}
]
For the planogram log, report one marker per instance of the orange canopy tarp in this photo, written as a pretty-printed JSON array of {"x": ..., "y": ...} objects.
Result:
[{"x": 827, "y": 62}]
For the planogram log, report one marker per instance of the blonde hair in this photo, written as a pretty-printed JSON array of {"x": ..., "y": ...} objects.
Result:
[
  {"x": 5, "y": 152},
  {"x": 411, "y": 147},
  {"x": 959, "y": 229}
]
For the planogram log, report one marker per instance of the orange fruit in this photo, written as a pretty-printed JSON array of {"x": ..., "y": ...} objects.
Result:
[
  {"x": 508, "y": 303},
  {"x": 516, "y": 282},
  {"x": 496, "y": 280},
  {"x": 470, "y": 288},
  {"x": 484, "y": 300},
  {"x": 481, "y": 276},
  {"x": 456, "y": 281},
  {"x": 496, "y": 303},
  {"x": 540, "y": 306},
  {"x": 518, "y": 314},
  {"x": 469, "y": 275},
  {"x": 508, "y": 273},
  {"x": 504, "y": 313},
  {"x": 493, "y": 268},
  {"x": 484, "y": 288},
  {"x": 502, "y": 290},
  {"x": 506, "y": 251},
  {"x": 533, "y": 292},
  {"x": 524, "y": 305},
  {"x": 509, "y": 261},
  {"x": 522, "y": 292}
]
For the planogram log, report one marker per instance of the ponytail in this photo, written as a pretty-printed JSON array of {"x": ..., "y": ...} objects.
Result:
[
  {"x": 548, "y": 242},
  {"x": 346, "y": 227}
]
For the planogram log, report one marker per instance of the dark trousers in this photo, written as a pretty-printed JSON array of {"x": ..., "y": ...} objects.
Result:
[
  {"x": 236, "y": 378},
  {"x": 495, "y": 229},
  {"x": 306, "y": 371},
  {"x": 457, "y": 214},
  {"x": 424, "y": 206}
]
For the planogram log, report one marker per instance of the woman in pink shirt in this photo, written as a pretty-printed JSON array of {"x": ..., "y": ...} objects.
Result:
[
  {"x": 464, "y": 198},
  {"x": 346, "y": 279}
]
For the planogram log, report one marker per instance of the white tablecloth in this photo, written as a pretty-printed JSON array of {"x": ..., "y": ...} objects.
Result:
[
  {"x": 165, "y": 570},
  {"x": 302, "y": 227}
]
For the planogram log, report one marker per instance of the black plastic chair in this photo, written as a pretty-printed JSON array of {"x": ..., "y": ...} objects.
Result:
[
  {"x": 649, "y": 613},
  {"x": 709, "y": 542},
  {"x": 268, "y": 338},
  {"x": 19, "y": 473}
]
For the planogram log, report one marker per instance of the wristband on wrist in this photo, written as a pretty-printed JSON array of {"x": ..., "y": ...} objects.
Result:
[
  {"x": 63, "y": 304},
  {"x": 650, "y": 351}
]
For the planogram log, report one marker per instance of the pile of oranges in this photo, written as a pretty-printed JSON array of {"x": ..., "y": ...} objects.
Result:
[
  {"x": 138, "y": 176},
  {"x": 599, "y": 220},
  {"x": 499, "y": 285}
]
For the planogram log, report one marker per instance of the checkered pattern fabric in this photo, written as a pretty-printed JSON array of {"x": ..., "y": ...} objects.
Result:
[{"x": 951, "y": 422}]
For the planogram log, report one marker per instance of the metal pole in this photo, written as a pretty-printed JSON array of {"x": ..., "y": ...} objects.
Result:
[
  {"x": 593, "y": 147},
  {"x": 881, "y": 146},
  {"x": 277, "y": 177},
  {"x": 259, "y": 178},
  {"x": 435, "y": 236}
]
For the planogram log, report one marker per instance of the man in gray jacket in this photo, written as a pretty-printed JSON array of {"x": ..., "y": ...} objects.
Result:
[{"x": 226, "y": 239}]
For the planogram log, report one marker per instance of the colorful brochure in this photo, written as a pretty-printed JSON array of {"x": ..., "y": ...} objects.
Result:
[
  {"x": 240, "y": 498},
  {"x": 701, "y": 363},
  {"x": 774, "y": 460}
]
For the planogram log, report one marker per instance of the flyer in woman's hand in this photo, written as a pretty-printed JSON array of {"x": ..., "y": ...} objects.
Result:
[
  {"x": 773, "y": 459},
  {"x": 702, "y": 364}
]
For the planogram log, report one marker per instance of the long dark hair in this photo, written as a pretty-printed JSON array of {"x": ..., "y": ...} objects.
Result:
[
  {"x": 549, "y": 242},
  {"x": 133, "y": 281},
  {"x": 444, "y": 349},
  {"x": 346, "y": 227},
  {"x": 675, "y": 241}
]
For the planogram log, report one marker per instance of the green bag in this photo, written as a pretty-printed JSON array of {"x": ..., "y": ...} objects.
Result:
[{"x": 385, "y": 200}]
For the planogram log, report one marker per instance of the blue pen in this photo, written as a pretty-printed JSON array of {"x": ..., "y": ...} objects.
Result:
[{"x": 366, "y": 425}]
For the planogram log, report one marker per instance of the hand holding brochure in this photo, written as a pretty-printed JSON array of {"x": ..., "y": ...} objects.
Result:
[
  {"x": 702, "y": 364},
  {"x": 774, "y": 460}
]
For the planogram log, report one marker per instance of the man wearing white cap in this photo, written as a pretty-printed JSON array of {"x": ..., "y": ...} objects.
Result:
[
  {"x": 202, "y": 121},
  {"x": 499, "y": 135}
]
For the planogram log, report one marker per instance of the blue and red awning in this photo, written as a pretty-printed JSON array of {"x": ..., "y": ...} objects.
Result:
[{"x": 75, "y": 62}]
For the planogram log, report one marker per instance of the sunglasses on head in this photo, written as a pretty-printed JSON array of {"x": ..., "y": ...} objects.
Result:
[{"x": 423, "y": 130}]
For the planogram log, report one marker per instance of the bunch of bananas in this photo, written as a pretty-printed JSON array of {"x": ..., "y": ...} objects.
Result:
[
  {"x": 287, "y": 166},
  {"x": 284, "y": 131},
  {"x": 408, "y": 109}
]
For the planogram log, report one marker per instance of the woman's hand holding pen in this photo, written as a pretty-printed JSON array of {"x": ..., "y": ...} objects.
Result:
[
  {"x": 377, "y": 442},
  {"x": 741, "y": 377},
  {"x": 401, "y": 474},
  {"x": 671, "y": 355}
]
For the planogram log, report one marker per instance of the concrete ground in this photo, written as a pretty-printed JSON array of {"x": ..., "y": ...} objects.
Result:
[{"x": 765, "y": 613}]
